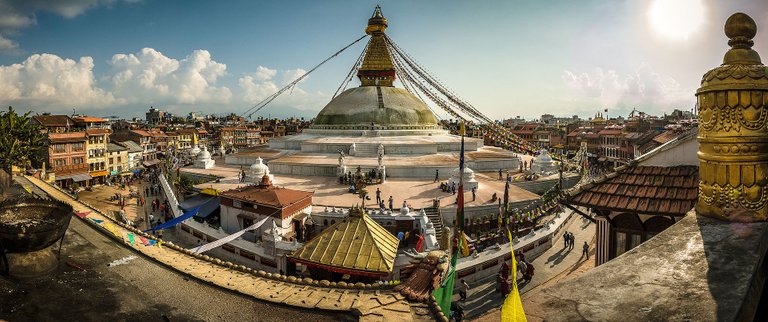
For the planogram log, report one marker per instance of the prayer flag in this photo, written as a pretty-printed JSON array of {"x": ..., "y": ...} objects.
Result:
[
  {"x": 98, "y": 221},
  {"x": 82, "y": 214},
  {"x": 131, "y": 239},
  {"x": 512, "y": 310}
]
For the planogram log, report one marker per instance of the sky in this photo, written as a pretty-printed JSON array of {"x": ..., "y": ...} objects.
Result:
[{"x": 507, "y": 58}]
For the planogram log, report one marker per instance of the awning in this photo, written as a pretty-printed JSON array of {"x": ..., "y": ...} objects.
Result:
[
  {"x": 113, "y": 173},
  {"x": 150, "y": 163},
  {"x": 136, "y": 171},
  {"x": 77, "y": 177},
  {"x": 99, "y": 173},
  {"x": 126, "y": 173},
  {"x": 208, "y": 204}
]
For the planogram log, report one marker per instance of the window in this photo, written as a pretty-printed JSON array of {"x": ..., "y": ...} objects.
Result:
[
  {"x": 119, "y": 159},
  {"x": 237, "y": 204},
  {"x": 58, "y": 148},
  {"x": 621, "y": 243},
  {"x": 247, "y": 222}
]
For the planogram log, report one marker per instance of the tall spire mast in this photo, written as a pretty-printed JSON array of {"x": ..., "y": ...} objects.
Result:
[{"x": 377, "y": 68}]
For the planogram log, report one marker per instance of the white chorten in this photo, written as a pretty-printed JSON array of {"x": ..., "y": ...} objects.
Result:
[
  {"x": 194, "y": 152},
  {"x": 258, "y": 170},
  {"x": 204, "y": 160},
  {"x": 469, "y": 179},
  {"x": 543, "y": 164}
]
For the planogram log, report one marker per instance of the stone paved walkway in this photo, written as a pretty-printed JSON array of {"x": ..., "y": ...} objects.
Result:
[
  {"x": 370, "y": 305},
  {"x": 483, "y": 297}
]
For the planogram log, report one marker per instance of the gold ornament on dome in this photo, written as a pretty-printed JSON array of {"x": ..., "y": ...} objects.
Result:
[{"x": 733, "y": 130}]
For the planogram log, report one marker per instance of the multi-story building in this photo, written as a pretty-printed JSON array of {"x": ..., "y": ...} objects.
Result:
[
  {"x": 155, "y": 116},
  {"x": 55, "y": 123},
  {"x": 135, "y": 152},
  {"x": 66, "y": 159},
  {"x": 96, "y": 145},
  {"x": 118, "y": 160},
  {"x": 149, "y": 155},
  {"x": 186, "y": 139}
]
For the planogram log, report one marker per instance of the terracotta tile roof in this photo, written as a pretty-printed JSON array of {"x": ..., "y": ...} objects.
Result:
[
  {"x": 643, "y": 189},
  {"x": 141, "y": 132},
  {"x": 355, "y": 245},
  {"x": 665, "y": 137},
  {"x": 273, "y": 196},
  {"x": 67, "y": 137},
  {"x": 97, "y": 131},
  {"x": 89, "y": 119},
  {"x": 54, "y": 120}
]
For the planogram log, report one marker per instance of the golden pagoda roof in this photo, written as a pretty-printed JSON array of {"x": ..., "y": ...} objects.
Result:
[{"x": 356, "y": 245}]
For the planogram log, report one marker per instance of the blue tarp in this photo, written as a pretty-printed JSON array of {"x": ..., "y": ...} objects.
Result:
[
  {"x": 208, "y": 204},
  {"x": 175, "y": 221}
]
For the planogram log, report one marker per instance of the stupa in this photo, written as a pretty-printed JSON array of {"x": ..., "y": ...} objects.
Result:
[
  {"x": 204, "y": 160},
  {"x": 469, "y": 179},
  {"x": 543, "y": 164},
  {"x": 377, "y": 114},
  {"x": 258, "y": 170}
]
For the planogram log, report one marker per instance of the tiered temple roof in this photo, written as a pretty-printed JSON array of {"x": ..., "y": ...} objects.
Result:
[{"x": 356, "y": 245}]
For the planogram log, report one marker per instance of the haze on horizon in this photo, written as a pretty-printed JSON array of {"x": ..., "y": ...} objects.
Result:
[{"x": 507, "y": 58}]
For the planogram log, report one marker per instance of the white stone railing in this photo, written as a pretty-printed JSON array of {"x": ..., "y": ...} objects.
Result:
[{"x": 170, "y": 196}]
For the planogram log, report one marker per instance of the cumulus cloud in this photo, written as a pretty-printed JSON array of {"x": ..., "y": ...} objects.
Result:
[
  {"x": 153, "y": 78},
  {"x": 266, "y": 81},
  {"x": 643, "y": 88},
  {"x": 52, "y": 82}
]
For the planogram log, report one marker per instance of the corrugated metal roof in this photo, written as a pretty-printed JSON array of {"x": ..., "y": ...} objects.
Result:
[{"x": 357, "y": 243}]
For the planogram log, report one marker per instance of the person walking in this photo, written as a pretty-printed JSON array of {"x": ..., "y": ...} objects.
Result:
[
  {"x": 437, "y": 175},
  {"x": 474, "y": 193},
  {"x": 463, "y": 290},
  {"x": 378, "y": 195},
  {"x": 571, "y": 240},
  {"x": 391, "y": 203},
  {"x": 565, "y": 239},
  {"x": 500, "y": 177},
  {"x": 585, "y": 250}
]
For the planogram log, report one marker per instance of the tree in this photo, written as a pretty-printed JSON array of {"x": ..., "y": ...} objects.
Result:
[{"x": 19, "y": 143}]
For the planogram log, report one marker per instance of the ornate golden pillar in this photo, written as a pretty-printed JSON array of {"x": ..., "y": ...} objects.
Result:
[{"x": 733, "y": 131}]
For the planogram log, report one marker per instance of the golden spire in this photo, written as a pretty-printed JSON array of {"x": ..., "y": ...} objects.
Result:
[{"x": 377, "y": 68}]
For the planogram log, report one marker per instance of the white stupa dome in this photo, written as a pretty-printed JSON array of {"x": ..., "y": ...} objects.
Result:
[
  {"x": 468, "y": 173},
  {"x": 195, "y": 151},
  {"x": 259, "y": 169},
  {"x": 543, "y": 157},
  {"x": 204, "y": 155}
]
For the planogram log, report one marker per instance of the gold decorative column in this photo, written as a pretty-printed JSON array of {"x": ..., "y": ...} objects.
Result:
[{"x": 733, "y": 131}]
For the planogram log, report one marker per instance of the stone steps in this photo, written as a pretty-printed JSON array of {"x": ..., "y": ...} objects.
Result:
[{"x": 434, "y": 216}]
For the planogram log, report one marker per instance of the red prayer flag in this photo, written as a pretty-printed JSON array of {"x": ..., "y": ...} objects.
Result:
[{"x": 82, "y": 214}]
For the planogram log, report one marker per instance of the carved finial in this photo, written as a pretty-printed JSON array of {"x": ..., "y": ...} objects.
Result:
[{"x": 741, "y": 28}]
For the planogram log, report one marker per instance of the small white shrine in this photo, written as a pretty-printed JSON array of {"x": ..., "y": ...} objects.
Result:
[{"x": 204, "y": 160}]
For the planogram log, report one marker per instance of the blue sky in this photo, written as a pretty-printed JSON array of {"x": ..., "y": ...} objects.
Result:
[{"x": 508, "y": 58}]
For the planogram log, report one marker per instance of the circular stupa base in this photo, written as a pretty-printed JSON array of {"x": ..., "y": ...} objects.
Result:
[{"x": 32, "y": 264}]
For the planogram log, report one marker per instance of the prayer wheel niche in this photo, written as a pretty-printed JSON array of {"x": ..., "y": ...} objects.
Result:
[{"x": 733, "y": 131}]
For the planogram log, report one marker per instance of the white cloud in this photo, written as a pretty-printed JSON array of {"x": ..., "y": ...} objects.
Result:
[
  {"x": 149, "y": 77},
  {"x": 643, "y": 88},
  {"x": 266, "y": 81},
  {"x": 8, "y": 46},
  {"x": 54, "y": 83}
]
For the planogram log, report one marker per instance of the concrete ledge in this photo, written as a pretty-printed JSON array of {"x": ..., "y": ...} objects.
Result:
[{"x": 700, "y": 269}]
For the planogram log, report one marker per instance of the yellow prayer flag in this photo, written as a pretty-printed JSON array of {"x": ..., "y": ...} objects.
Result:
[{"x": 512, "y": 310}]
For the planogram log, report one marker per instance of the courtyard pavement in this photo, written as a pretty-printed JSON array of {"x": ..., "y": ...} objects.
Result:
[{"x": 484, "y": 300}]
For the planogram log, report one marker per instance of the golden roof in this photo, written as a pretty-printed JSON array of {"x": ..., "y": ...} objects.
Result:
[{"x": 357, "y": 244}]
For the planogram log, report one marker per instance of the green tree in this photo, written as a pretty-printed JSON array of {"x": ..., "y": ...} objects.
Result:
[{"x": 20, "y": 140}]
